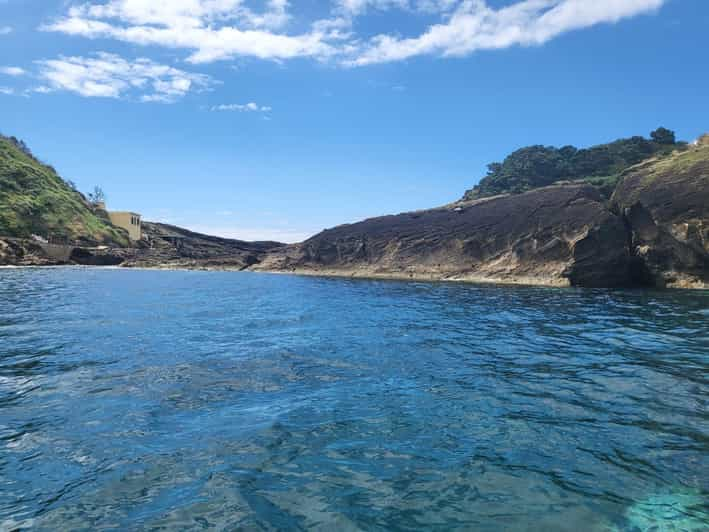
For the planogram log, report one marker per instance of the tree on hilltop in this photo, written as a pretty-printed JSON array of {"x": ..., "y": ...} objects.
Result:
[{"x": 663, "y": 135}]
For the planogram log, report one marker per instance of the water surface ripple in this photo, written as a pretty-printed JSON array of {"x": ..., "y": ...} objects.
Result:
[{"x": 188, "y": 400}]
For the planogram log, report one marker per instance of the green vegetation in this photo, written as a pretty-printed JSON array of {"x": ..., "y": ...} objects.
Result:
[
  {"x": 34, "y": 200},
  {"x": 539, "y": 166}
]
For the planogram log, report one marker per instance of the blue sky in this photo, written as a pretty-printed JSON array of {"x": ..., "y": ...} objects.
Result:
[{"x": 275, "y": 119}]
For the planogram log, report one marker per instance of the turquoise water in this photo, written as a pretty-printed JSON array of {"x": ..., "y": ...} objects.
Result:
[{"x": 192, "y": 400}]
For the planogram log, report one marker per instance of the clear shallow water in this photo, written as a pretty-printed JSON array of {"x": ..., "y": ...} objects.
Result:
[{"x": 174, "y": 400}]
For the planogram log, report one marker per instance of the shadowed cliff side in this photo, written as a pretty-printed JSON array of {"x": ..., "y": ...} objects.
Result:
[
  {"x": 557, "y": 235},
  {"x": 666, "y": 205}
]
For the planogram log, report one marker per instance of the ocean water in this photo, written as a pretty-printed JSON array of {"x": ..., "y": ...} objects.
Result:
[{"x": 141, "y": 400}]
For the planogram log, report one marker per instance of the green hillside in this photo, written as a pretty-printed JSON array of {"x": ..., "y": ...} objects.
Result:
[
  {"x": 539, "y": 166},
  {"x": 35, "y": 200}
]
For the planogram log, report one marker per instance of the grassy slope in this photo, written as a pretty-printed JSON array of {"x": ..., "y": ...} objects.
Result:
[
  {"x": 35, "y": 200},
  {"x": 692, "y": 162},
  {"x": 673, "y": 187}
]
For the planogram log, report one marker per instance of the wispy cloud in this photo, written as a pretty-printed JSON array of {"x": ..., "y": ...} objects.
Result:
[
  {"x": 474, "y": 26},
  {"x": 5, "y": 30},
  {"x": 12, "y": 71},
  {"x": 6, "y": 91},
  {"x": 107, "y": 75},
  {"x": 250, "y": 107},
  {"x": 212, "y": 30},
  {"x": 359, "y": 7},
  {"x": 42, "y": 89}
]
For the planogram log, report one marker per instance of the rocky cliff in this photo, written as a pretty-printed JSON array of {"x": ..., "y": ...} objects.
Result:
[
  {"x": 163, "y": 246},
  {"x": 168, "y": 246},
  {"x": 654, "y": 232},
  {"x": 665, "y": 203},
  {"x": 557, "y": 235}
]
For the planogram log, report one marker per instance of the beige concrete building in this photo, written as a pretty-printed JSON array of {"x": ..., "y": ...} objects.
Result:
[{"x": 129, "y": 221}]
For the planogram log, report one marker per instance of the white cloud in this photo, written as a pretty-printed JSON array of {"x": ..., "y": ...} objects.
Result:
[
  {"x": 12, "y": 71},
  {"x": 42, "y": 89},
  {"x": 250, "y": 107},
  {"x": 212, "y": 30},
  {"x": 5, "y": 30},
  {"x": 6, "y": 91},
  {"x": 110, "y": 76},
  {"x": 186, "y": 13},
  {"x": 359, "y": 7},
  {"x": 476, "y": 26}
]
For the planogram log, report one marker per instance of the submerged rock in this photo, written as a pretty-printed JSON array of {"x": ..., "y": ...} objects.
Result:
[{"x": 668, "y": 512}]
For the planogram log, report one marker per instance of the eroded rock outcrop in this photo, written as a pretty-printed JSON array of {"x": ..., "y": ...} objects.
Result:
[
  {"x": 22, "y": 252},
  {"x": 653, "y": 232},
  {"x": 557, "y": 235},
  {"x": 168, "y": 246},
  {"x": 665, "y": 203},
  {"x": 96, "y": 257}
]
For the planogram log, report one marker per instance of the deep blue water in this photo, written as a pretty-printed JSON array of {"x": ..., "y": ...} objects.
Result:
[{"x": 185, "y": 400}]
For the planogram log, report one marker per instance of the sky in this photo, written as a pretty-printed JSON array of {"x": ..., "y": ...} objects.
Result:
[{"x": 275, "y": 119}]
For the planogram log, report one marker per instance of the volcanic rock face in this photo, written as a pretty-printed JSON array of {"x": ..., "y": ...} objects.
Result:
[
  {"x": 168, "y": 246},
  {"x": 666, "y": 205},
  {"x": 654, "y": 232},
  {"x": 557, "y": 235}
]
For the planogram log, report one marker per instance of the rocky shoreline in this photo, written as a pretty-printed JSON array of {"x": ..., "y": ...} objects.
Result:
[
  {"x": 652, "y": 232},
  {"x": 225, "y": 266},
  {"x": 163, "y": 247}
]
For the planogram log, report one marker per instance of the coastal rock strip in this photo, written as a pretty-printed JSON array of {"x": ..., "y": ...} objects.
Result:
[{"x": 558, "y": 235}]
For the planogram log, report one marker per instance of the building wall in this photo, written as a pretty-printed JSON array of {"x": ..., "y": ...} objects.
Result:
[{"x": 129, "y": 221}]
